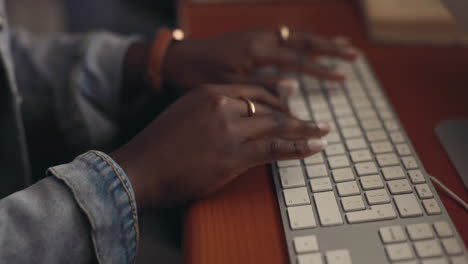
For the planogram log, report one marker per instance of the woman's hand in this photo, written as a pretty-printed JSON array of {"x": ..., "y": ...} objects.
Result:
[
  {"x": 206, "y": 139},
  {"x": 234, "y": 57}
]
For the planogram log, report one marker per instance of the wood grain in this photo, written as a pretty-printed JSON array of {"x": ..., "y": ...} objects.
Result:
[{"x": 241, "y": 223}]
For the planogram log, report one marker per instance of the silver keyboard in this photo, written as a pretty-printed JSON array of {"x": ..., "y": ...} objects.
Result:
[{"x": 365, "y": 199}]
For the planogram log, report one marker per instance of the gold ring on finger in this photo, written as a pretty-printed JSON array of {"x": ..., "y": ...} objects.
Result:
[{"x": 250, "y": 107}]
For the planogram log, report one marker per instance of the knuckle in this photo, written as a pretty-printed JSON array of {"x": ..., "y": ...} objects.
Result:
[
  {"x": 274, "y": 147},
  {"x": 218, "y": 101},
  {"x": 301, "y": 148}
]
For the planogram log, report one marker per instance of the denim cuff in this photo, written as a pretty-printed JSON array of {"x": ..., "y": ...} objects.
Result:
[{"x": 104, "y": 193}]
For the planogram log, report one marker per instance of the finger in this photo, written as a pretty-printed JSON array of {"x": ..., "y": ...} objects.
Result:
[
  {"x": 280, "y": 87},
  {"x": 276, "y": 124},
  {"x": 289, "y": 60},
  {"x": 253, "y": 93},
  {"x": 240, "y": 107},
  {"x": 339, "y": 47},
  {"x": 272, "y": 149}
]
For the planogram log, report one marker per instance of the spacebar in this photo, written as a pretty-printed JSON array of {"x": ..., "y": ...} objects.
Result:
[
  {"x": 375, "y": 213},
  {"x": 327, "y": 208}
]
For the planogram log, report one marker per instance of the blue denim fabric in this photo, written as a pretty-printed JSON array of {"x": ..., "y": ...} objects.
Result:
[
  {"x": 104, "y": 193},
  {"x": 57, "y": 220},
  {"x": 74, "y": 81}
]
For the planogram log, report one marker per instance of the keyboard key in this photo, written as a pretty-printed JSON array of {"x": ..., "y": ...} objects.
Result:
[
  {"x": 317, "y": 171},
  {"x": 431, "y": 207},
  {"x": 338, "y": 161},
  {"x": 399, "y": 186},
  {"x": 289, "y": 163},
  {"x": 416, "y": 176},
  {"x": 361, "y": 155},
  {"x": 409, "y": 162},
  {"x": 347, "y": 188},
  {"x": 371, "y": 182},
  {"x": 341, "y": 256},
  {"x": 335, "y": 149},
  {"x": 403, "y": 149},
  {"x": 347, "y": 121},
  {"x": 370, "y": 124},
  {"x": 305, "y": 244},
  {"x": 351, "y": 132},
  {"x": 301, "y": 217},
  {"x": 391, "y": 125},
  {"x": 376, "y": 135},
  {"x": 377, "y": 197},
  {"x": 366, "y": 168},
  {"x": 386, "y": 114},
  {"x": 374, "y": 213},
  {"x": 408, "y": 262},
  {"x": 392, "y": 234},
  {"x": 407, "y": 205},
  {"x": 443, "y": 229},
  {"x": 387, "y": 159},
  {"x": 397, "y": 137},
  {"x": 342, "y": 175},
  {"x": 345, "y": 112},
  {"x": 427, "y": 249},
  {"x": 323, "y": 116},
  {"x": 458, "y": 260},
  {"x": 419, "y": 231},
  {"x": 363, "y": 111},
  {"x": 401, "y": 251},
  {"x": 296, "y": 196},
  {"x": 393, "y": 173},
  {"x": 382, "y": 147},
  {"x": 352, "y": 203},
  {"x": 423, "y": 191},
  {"x": 451, "y": 246},
  {"x": 314, "y": 159},
  {"x": 327, "y": 209},
  {"x": 333, "y": 137},
  {"x": 321, "y": 184},
  {"x": 435, "y": 261},
  {"x": 356, "y": 143},
  {"x": 314, "y": 258},
  {"x": 291, "y": 177}
]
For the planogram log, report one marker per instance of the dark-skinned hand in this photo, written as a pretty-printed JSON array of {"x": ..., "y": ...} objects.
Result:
[
  {"x": 206, "y": 139},
  {"x": 234, "y": 57}
]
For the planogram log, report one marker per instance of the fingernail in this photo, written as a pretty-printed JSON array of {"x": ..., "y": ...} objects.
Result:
[
  {"x": 323, "y": 126},
  {"x": 317, "y": 144},
  {"x": 288, "y": 87}
]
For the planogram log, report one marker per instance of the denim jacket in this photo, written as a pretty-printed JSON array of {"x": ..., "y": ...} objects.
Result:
[{"x": 82, "y": 211}]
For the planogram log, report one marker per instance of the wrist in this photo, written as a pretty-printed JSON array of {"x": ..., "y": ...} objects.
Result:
[
  {"x": 139, "y": 187},
  {"x": 134, "y": 70}
]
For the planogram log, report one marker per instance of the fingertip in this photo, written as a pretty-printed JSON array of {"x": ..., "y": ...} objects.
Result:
[
  {"x": 288, "y": 87},
  {"x": 322, "y": 126},
  {"x": 316, "y": 144}
]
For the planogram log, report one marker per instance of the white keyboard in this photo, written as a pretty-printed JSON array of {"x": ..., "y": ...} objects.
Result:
[{"x": 366, "y": 198}]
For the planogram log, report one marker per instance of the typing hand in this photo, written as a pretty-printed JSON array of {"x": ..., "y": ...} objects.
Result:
[
  {"x": 207, "y": 138},
  {"x": 232, "y": 58}
]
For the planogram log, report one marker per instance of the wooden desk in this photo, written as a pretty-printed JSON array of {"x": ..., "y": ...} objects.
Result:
[{"x": 241, "y": 223}]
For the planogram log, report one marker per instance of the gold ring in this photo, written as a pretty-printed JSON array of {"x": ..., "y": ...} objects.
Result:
[
  {"x": 250, "y": 107},
  {"x": 284, "y": 33}
]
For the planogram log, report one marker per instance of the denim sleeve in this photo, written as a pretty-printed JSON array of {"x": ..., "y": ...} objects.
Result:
[
  {"x": 85, "y": 210},
  {"x": 104, "y": 193},
  {"x": 72, "y": 80}
]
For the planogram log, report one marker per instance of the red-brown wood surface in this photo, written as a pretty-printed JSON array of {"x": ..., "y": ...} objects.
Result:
[{"x": 241, "y": 223}]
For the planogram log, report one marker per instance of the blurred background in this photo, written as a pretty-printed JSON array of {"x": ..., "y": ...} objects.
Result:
[{"x": 120, "y": 16}]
